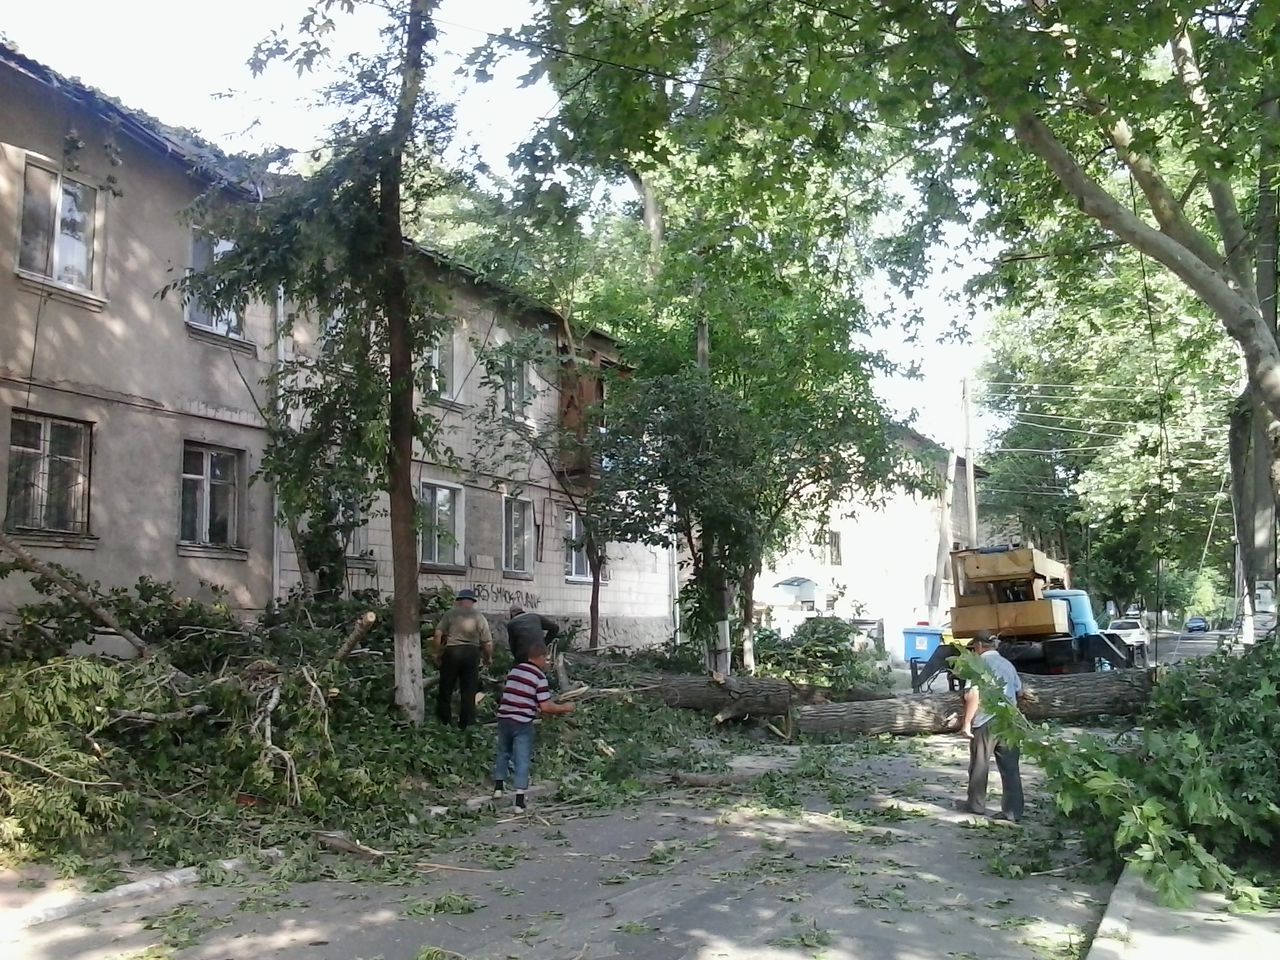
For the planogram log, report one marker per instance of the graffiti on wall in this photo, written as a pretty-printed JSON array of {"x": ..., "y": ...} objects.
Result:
[{"x": 495, "y": 593}]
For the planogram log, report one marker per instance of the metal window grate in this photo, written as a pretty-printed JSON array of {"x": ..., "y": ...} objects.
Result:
[{"x": 48, "y": 475}]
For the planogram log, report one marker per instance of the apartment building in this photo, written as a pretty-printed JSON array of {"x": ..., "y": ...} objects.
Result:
[
  {"x": 130, "y": 424},
  {"x": 874, "y": 564}
]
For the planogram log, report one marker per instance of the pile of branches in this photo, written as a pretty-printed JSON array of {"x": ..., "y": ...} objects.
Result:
[{"x": 223, "y": 734}]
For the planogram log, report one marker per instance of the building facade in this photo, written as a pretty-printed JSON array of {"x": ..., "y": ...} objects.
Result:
[
  {"x": 130, "y": 424},
  {"x": 875, "y": 565}
]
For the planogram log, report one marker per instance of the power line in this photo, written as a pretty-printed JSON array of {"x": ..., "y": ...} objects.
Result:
[{"x": 1086, "y": 433}]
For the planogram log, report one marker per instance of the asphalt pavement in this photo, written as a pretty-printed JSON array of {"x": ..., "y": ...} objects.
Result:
[{"x": 753, "y": 872}]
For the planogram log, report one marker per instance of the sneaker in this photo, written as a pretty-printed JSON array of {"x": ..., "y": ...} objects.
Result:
[
  {"x": 1005, "y": 815},
  {"x": 497, "y": 793},
  {"x": 521, "y": 805}
]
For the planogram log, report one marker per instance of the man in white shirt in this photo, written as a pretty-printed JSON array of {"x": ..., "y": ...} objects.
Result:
[{"x": 983, "y": 744}]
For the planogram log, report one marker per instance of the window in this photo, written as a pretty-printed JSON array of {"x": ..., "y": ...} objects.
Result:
[
  {"x": 517, "y": 535},
  {"x": 210, "y": 495},
  {"x": 516, "y": 389},
  {"x": 355, "y": 541},
  {"x": 442, "y": 362},
  {"x": 48, "y": 475},
  {"x": 833, "y": 549},
  {"x": 576, "y": 566},
  {"x": 59, "y": 222},
  {"x": 205, "y": 251},
  {"x": 441, "y": 525}
]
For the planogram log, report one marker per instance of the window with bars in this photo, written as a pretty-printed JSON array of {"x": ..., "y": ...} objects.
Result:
[
  {"x": 356, "y": 526},
  {"x": 517, "y": 535},
  {"x": 441, "y": 525},
  {"x": 48, "y": 475},
  {"x": 210, "y": 496},
  {"x": 516, "y": 388},
  {"x": 834, "y": 557},
  {"x": 205, "y": 252},
  {"x": 59, "y": 227}
]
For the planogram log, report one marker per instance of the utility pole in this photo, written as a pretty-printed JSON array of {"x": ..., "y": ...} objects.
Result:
[
  {"x": 970, "y": 486},
  {"x": 944, "y": 538}
]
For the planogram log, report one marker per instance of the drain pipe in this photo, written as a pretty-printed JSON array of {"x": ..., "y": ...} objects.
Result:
[{"x": 276, "y": 362}]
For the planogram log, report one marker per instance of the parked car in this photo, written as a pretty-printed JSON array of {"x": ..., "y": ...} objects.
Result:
[
  {"x": 1131, "y": 632},
  {"x": 1132, "y": 613},
  {"x": 1196, "y": 625}
]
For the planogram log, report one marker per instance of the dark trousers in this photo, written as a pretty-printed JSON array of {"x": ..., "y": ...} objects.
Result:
[
  {"x": 982, "y": 747},
  {"x": 459, "y": 667}
]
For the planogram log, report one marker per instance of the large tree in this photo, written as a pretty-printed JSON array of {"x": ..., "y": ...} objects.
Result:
[
  {"x": 1156, "y": 124},
  {"x": 331, "y": 245}
]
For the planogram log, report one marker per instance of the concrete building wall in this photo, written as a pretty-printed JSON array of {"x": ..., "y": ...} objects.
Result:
[
  {"x": 635, "y": 603},
  {"x": 108, "y": 354},
  {"x": 122, "y": 361}
]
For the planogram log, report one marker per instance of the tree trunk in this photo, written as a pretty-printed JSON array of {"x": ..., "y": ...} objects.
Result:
[
  {"x": 726, "y": 696},
  {"x": 406, "y": 623},
  {"x": 747, "y": 611},
  {"x": 306, "y": 576},
  {"x": 596, "y": 562},
  {"x": 1112, "y": 692}
]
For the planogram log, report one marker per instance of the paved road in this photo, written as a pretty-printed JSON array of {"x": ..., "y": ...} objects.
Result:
[{"x": 897, "y": 876}]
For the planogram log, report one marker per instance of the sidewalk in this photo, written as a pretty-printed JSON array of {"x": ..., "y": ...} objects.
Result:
[{"x": 1136, "y": 927}]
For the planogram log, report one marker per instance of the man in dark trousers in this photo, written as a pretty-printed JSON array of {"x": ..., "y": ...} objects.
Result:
[
  {"x": 461, "y": 639},
  {"x": 526, "y": 629},
  {"x": 977, "y": 727}
]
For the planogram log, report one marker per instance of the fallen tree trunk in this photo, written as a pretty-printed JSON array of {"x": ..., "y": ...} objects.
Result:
[
  {"x": 728, "y": 696},
  {"x": 1113, "y": 692}
]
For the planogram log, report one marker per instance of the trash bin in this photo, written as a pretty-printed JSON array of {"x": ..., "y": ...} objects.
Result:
[{"x": 918, "y": 643}]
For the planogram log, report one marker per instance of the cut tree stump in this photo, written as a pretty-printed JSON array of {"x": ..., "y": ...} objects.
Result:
[{"x": 1111, "y": 692}]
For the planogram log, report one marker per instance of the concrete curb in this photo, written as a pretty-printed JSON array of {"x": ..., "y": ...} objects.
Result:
[
  {"x": 183, "y": 877},
  {"x": 1114, "y": 935}
]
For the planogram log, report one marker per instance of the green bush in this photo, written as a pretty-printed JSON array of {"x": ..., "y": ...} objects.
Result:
[{"x": 821, "y": 651}]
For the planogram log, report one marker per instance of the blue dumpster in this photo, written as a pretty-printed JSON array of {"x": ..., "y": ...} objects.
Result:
[{"x": 918, "y": 643}]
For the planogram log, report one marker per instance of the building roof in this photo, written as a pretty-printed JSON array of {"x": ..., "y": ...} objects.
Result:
[
  {"x": 206, "y": 160},
  {"x": 913, "y": 435},
  {"x": 198, "y": 155}
]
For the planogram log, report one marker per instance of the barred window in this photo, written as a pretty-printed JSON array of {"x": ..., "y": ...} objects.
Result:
[{"x": 48, "y": 475}]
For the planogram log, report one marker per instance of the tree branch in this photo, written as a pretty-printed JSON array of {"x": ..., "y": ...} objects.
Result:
[
  {"x": 1166, "y": 208},
  {"x": 357, "y": 634},
  {"x": 14, "y": 758},
  {"x": 1234, "y": 238},
  {"x": 75, "y": 591},
  {"x": 1238, "y": 312}
]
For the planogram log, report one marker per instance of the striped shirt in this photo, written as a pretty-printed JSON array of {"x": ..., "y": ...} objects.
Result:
[{"x": 524, "y": 693}]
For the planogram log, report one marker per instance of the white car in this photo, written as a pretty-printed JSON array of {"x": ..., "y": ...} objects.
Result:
[{"x": 1131, "y": 632}]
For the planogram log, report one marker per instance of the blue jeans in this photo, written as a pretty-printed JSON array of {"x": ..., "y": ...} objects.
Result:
[{"x": 515, "y": 752}]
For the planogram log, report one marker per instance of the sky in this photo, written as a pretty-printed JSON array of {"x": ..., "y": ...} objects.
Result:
[{"x": 189, "y": 70}]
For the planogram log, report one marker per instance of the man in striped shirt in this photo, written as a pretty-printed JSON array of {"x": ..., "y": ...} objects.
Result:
[{"x": 525, "y": 696}]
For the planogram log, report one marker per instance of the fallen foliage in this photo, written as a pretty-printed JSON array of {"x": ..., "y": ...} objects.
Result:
[
  {"x": 1190, "y": 795},
  {"x": 234, "y": 736}
]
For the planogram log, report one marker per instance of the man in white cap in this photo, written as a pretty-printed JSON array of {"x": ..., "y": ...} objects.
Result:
[{"x": 976, "y": 725}]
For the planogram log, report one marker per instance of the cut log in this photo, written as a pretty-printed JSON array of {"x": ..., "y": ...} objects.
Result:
[
  {"x": 1112, "y": 692},
  {"x": 726, "y": 696},
  {"x": 356, "y": 636}
]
